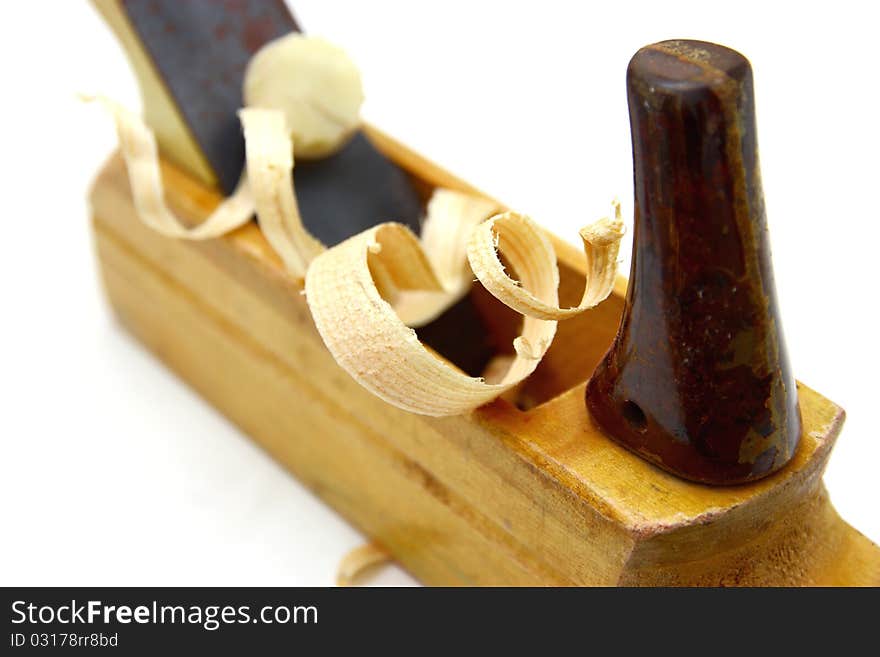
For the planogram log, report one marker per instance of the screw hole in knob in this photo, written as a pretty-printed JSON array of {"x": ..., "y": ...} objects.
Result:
[
  {"x": 634, "y": 414},
  {"x": 709, "y": 365}
]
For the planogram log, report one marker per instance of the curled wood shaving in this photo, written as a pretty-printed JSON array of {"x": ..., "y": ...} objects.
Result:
[
  {"x": 531, "y": 255},
  {"x": 366, "y": 293},
  {"x": 385, "y": 356},
  {"x": 358, "y": 561},
  {"x": 452, "y": 217},
  {"x": 138, "y": 145},
  {"x": 269, "y": 156}
]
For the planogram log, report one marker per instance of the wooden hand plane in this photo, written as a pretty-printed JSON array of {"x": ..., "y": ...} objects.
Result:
[{"x": 527, "y": 490}]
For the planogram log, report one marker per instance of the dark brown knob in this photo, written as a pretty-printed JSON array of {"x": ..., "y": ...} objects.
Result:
[{"x": 697, "y": 380}]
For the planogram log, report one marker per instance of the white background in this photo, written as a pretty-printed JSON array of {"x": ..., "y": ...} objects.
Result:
[{"x": 113, "y": 472}]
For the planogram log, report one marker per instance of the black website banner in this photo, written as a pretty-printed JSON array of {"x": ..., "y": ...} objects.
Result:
[{"x": 275, "y": 620}]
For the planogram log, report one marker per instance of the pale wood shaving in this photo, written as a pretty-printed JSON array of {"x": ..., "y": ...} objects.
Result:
[
  {"x": 531, "y": 255},
  {"x": 366, "y": 293},
  {"x": 452, "y": 217},
  {"x": 385, "y": 356},
  {"x": 379, "y": 350},
  {"x": 357, "y": 562},
  {"x": 138, "y": 145},
  {"x": 269, "y": 158}
]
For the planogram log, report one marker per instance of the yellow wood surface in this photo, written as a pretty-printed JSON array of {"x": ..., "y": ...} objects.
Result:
[{"x": 500, "y": 496}]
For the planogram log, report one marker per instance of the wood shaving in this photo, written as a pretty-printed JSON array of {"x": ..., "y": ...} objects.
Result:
[
  {"x": 269, "y": 163},
  {"x": 138, "y": 145},
  {"x": 367, "y": 293},
  {"x": 356, "y": 563},
  {"x": 451, "y": 218},
  {"x": 530, "y": 254}
]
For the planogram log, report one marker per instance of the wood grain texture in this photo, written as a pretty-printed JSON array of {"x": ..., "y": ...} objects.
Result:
[{"x": 500, "y": 496}]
